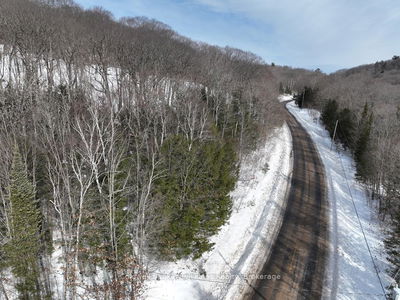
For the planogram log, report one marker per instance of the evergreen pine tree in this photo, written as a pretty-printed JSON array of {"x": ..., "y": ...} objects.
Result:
[
  {"x": 195, "y": 195},
  {"x": 346, "y": 127},
  {"x": 306, "y": 98},
  {"x": 330, "y": 115},
  {"x": 22, "y": 250},
  {"x": 362, "y": 143}
]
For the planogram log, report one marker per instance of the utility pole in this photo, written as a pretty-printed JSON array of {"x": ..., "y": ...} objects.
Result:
[{"x": 334, "y": 133}]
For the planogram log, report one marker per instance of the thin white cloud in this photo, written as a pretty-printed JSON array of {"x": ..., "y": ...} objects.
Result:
[
  {"x": 329, "y": 34},
  {"x": 325, "y": 31}
]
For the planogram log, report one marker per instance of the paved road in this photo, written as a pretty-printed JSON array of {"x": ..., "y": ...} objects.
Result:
[{"x": 300, "y": 250}]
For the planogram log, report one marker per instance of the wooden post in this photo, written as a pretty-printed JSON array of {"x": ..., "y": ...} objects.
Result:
[{"x": 334, "y": 133}]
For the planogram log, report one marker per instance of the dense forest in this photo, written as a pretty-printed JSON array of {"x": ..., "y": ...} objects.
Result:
[{"x": 119, "y": 143}]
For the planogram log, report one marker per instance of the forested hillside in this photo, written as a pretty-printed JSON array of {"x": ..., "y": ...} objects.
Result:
[
  {"x": 121, "y": 140},
  {"x": 119, "y": 143}
]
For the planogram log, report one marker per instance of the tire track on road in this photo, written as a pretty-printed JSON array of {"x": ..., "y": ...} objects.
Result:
[{"x": 301, "y": 248}]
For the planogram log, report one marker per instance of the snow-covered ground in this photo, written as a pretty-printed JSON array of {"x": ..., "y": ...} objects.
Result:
[
  {"x": 13, "y": 70},
  {"x": 350, "y": 273},
  {"x": 243, "y": 243},
  {"x": 285, "y": 97}
]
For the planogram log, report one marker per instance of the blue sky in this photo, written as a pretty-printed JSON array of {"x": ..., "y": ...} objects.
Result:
[{"x": 326, "y": 34}]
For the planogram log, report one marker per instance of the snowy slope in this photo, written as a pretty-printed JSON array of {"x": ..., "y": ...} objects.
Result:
[
  {"x": 12, "y": 71},
  {"x": 285, "y": 97},
  {"x": 244, "y": 242},
  {"x": 350, "y": 273}
]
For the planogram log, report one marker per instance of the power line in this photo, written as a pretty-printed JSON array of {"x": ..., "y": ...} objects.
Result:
[
  {"x": 337, "y": 125},
  {"x": 362, "y": 229},
  {"x": 358, "y": 217}
]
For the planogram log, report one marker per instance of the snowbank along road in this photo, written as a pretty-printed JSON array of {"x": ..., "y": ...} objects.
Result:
[
  {"x": 300, "y": 250},
  {"x": 356, "y": 265}
]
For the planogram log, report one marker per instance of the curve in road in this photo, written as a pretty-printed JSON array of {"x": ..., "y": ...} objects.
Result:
[{"x": 300, "y": 250}]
